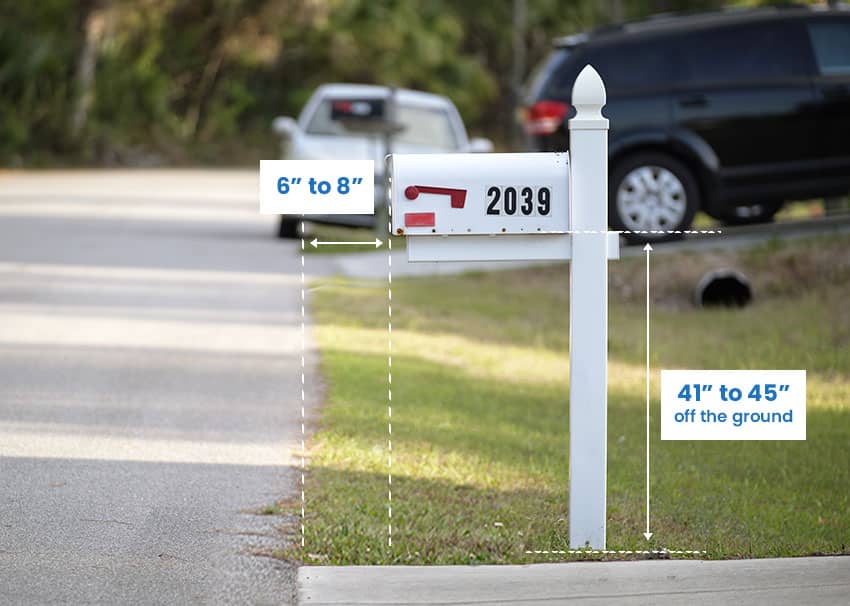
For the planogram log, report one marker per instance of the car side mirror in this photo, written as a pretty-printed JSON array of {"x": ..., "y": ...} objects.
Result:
[
  {"x": 284, "y": 127},
  {"x": 480, "y": 145}
]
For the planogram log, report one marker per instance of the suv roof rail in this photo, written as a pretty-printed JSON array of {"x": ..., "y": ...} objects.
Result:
[
  {"x": 726, "y": 11},
  {"x": 570, "y": 41},
  {"x": 669, "y": 18}
]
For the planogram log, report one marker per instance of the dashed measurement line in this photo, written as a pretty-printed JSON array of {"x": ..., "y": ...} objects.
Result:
[
  {"x": 390, "y": 386},
  {"x": 303, "y": 396},
  {"x": 645, "y": 232},
  {"x": 615, "y": 552}
]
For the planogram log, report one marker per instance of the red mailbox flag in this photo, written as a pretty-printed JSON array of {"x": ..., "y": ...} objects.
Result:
[{"x": 457, "y": 196}]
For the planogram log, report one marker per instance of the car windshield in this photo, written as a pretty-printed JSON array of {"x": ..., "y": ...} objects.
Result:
[{"x": 422, "y": 126}]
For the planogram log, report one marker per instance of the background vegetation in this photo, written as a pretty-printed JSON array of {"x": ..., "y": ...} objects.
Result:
[{"x": 143, "y": 82}]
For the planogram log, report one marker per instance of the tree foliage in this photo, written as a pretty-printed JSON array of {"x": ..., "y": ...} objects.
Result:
[{"x": 130, "y": 81}]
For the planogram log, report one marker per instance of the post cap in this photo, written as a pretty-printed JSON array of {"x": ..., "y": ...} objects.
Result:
[
  {"x": 588, "y": 99},
  {"x": 588, "y": 88}
]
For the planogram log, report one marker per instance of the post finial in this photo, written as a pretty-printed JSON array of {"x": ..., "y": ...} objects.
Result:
[{"x": 588, "y": 98}]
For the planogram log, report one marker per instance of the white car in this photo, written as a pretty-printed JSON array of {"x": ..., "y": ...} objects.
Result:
[{"x": 365, "y": 122}]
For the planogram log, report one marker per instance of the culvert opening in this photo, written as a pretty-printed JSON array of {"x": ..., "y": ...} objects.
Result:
[{"x": 724, "y": 288}]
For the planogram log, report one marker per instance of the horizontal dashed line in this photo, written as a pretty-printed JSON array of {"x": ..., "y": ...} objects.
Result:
[
  {"x": 647, "y": 231},
  {"x": 643, "y": 232},
  {"x": 617, "y": 551}
]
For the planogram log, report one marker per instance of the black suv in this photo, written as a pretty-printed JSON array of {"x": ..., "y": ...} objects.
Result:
[{"x": 731, "y": 112}]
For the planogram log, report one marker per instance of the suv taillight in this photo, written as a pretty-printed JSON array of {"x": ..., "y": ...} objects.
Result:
[{"x": 545, "y": 117}]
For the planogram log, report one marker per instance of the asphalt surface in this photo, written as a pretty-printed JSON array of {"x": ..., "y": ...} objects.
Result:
[
  {"x": 150, "y": 356},
  {"x": 779, "y": 582}
]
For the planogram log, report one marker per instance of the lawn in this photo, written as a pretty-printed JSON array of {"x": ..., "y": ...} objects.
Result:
[{"x": 480, "y": 423}]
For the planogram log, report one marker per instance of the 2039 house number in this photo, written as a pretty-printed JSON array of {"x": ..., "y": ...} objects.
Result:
[{"x": 525, "y": 201}]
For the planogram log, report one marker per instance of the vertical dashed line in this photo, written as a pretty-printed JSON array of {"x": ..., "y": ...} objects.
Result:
[
  {"x": 389, "y": 381},
  {"x": 303, "y": 397}
]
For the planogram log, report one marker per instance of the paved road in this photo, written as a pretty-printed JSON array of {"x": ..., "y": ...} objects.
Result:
[
  {"x": 785, "y": 582},
  {"x": 149, "y": 389}
]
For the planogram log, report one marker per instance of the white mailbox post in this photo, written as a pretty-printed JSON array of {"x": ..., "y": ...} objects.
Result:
[
  {"x": 546, "y": 206},
  {"x": 589, "y": 313}
]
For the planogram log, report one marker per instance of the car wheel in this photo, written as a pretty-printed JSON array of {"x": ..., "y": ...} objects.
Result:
[
  {"x": 288, "y": 228},
  {"x": 652, "y": 196},
  {"x": 763, "y": 212}
]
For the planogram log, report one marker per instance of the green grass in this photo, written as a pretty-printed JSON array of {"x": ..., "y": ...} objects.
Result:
[{"x": 480, "y": 414}]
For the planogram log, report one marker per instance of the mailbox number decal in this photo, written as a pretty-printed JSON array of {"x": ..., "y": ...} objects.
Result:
[{"x": 524, "y": 201}]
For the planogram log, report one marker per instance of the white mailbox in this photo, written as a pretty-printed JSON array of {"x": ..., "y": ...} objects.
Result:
[
  {"x": 483, "y": 207},
  {"x": 479, "y": 194}
]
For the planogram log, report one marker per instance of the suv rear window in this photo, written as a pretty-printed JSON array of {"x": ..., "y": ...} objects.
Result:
[
  {"x": 634, "y": 66},
  {"x": 745, "y": 54},
  {"x": 831, "y": 41},
  {"x": 551, "y": 80}
]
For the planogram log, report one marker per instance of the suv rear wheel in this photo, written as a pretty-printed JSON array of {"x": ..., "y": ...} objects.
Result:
[{"x": 651, "y": 196}]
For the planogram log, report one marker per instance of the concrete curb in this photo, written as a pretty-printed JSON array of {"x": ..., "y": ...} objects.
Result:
[{"x": 779, "y": 582}]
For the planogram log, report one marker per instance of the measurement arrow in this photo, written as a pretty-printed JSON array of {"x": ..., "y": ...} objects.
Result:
[
  {"x": 647, "y": 534},
  {"x": 315, "y": 243}
]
